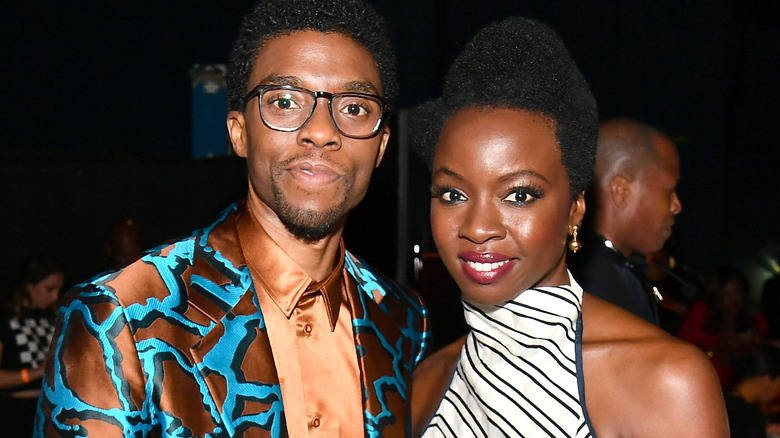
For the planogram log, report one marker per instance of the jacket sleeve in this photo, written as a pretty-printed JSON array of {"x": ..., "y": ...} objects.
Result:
[
  {"x": 425, "y": 340},
  {"x": 93, "y": 383}
]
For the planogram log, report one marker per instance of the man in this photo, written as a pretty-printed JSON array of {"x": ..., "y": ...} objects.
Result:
[
  {"x": 634, "y": 189},
  {"x": 124, "y": 243},
  {"x": 260, "y": 325}
]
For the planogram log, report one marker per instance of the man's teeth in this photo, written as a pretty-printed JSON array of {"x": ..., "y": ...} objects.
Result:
[
  {"x": 308, "y": 172},
  {"x": 482, "y": 267}
]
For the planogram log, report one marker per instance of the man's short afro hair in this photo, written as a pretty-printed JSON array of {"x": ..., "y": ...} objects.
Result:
[
  {"x": 271, "y": 18},
  {"x": 518, "y": 64}
]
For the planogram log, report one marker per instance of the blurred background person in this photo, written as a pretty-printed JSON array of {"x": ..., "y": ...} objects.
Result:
[
  {"x": 677, "y": 284},
  {"x": 26, "y": 326},
  {"x": 757, "y": 377},
  {"x": 124, "y": 243},
  {"x": 631, "y": 209},
  {"x": 770, "y": 309},
  {"x": 721, "y": 323},
  {"x": 769, "y": 312}
]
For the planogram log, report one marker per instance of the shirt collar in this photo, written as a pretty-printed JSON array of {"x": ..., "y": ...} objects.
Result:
[
  {"x": 279, "y": 276},
  {"x": 635, "y": 261},
  {"x": 332, "y": 288}
]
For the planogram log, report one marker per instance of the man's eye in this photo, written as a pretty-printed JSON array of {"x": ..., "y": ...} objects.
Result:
[
  {"x": 282, "y": 101},
  {"x": 353, "y": 106},
  {"x": 355, "y": 110}
]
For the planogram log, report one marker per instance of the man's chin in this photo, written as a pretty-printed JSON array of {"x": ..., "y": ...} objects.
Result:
[
  {"x": 310, "y": 233},
  {"x": 312, "y": 225}
]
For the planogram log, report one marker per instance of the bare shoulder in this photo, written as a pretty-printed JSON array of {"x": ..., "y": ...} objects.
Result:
[
  {"x": 641, "y": 381},
  {"x": 430, "y": 381}
]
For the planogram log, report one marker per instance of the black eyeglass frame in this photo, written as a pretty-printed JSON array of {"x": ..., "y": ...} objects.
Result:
[{"x": 384, "y": 106}]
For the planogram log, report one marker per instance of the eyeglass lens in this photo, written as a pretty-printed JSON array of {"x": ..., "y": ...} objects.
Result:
[{"x": 289, "y": 109}]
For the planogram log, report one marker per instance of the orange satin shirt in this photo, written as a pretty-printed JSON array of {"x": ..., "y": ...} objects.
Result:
[{"x": 310, "y": 330}]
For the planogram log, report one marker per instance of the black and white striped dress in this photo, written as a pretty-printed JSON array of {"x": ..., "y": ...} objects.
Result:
[{"x": 520, "y": 372}]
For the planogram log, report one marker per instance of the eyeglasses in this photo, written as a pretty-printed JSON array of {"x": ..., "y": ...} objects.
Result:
[{"x": 287, "y": 108}]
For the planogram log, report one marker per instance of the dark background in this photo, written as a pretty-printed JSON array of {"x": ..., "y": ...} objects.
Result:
[{"x": 97, "y": 114}]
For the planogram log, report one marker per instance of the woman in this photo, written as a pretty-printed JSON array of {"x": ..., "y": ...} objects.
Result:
[
  {"x": 721, "y": 323},
  {"x": 757, "y": 377},
  {"x": 25, "y": 332},
  {"x": 512, "y": 143}
]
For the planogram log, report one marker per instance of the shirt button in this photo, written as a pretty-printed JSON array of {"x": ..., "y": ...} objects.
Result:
[
  {"x": 307, "y": 329},
  {"x": 315, "y": 422}
]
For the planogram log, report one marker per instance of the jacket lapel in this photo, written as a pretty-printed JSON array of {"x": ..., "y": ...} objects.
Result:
[
  {"x": 234, "y": 357},
  {"x": 380, "y": 346}
]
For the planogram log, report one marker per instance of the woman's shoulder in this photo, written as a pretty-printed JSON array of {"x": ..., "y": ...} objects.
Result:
[
  {"x": 608, "y": 329},
  {"x": 430, "y": 381},
  {"x": 637, "y": 376},
  {"x": 434, "y": 372}
]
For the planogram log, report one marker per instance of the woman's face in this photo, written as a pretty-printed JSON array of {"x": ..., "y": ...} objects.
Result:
[
  {"x": 501, "y": 209},
  {"x": 45, "y": 292},
  {"x": 733, "y": 296}
]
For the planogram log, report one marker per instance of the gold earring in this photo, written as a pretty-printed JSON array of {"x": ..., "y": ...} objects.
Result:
[{"x": 574, "y": 244}]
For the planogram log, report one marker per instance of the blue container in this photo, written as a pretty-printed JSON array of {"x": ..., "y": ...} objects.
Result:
[{"x": 209, "y": 111}]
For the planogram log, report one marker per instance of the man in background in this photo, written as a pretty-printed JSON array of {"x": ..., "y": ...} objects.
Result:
[{"x": 633, "y": 207}]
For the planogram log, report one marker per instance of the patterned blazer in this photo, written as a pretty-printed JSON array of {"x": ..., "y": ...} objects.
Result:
[{"x": 175, "y": 345}]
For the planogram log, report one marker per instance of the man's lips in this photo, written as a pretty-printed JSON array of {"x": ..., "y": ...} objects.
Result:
[{"x": 313, "y": 173}]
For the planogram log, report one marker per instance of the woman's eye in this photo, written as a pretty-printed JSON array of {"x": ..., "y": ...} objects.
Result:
[
  {"x": 450, "y": 196},
  {"x": 522, "y": 196}
]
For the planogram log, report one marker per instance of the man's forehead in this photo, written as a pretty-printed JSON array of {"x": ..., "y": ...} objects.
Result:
[{"x": 303, "y": 58}]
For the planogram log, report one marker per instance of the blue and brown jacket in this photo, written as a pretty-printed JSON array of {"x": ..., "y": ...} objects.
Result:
[{"x": 175, "y": 345}]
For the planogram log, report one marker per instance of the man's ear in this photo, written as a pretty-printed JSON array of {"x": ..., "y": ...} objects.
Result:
[
  {"x": 620, "y": 190},
  {"x": 236, "y": 126},
  {"x": 385, "y": 134}
]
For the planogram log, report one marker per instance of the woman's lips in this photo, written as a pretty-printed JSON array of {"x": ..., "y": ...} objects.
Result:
[{"x": 485, "y": 268}]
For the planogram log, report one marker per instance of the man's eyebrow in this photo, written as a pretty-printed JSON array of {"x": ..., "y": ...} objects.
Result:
[
  {"x": 351, "y": 86},
  {"x": 361, "y": 87},
  {"x": 275, "y": 79}
]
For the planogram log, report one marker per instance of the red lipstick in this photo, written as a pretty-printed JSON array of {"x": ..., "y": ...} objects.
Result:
[{"x": 485, "y": 268}]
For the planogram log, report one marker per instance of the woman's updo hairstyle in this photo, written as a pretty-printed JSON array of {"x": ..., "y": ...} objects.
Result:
[{"x": 518, "y": 64}]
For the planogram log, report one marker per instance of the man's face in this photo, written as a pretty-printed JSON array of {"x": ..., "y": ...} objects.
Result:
[
  {"x": 654, "y": 202},
  {"x": 309, "y": 178}
]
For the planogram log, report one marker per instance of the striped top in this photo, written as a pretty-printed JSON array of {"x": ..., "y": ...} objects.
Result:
[{"x": 519, "y": 373}]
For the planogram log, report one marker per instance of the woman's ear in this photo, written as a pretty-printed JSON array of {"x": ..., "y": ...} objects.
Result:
[{"x": 577, "y": 211}]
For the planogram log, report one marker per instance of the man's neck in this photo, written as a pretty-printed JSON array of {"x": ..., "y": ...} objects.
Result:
[
  {"x": 614, "y": 244},
  {"x": 316, "y": 258}
]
